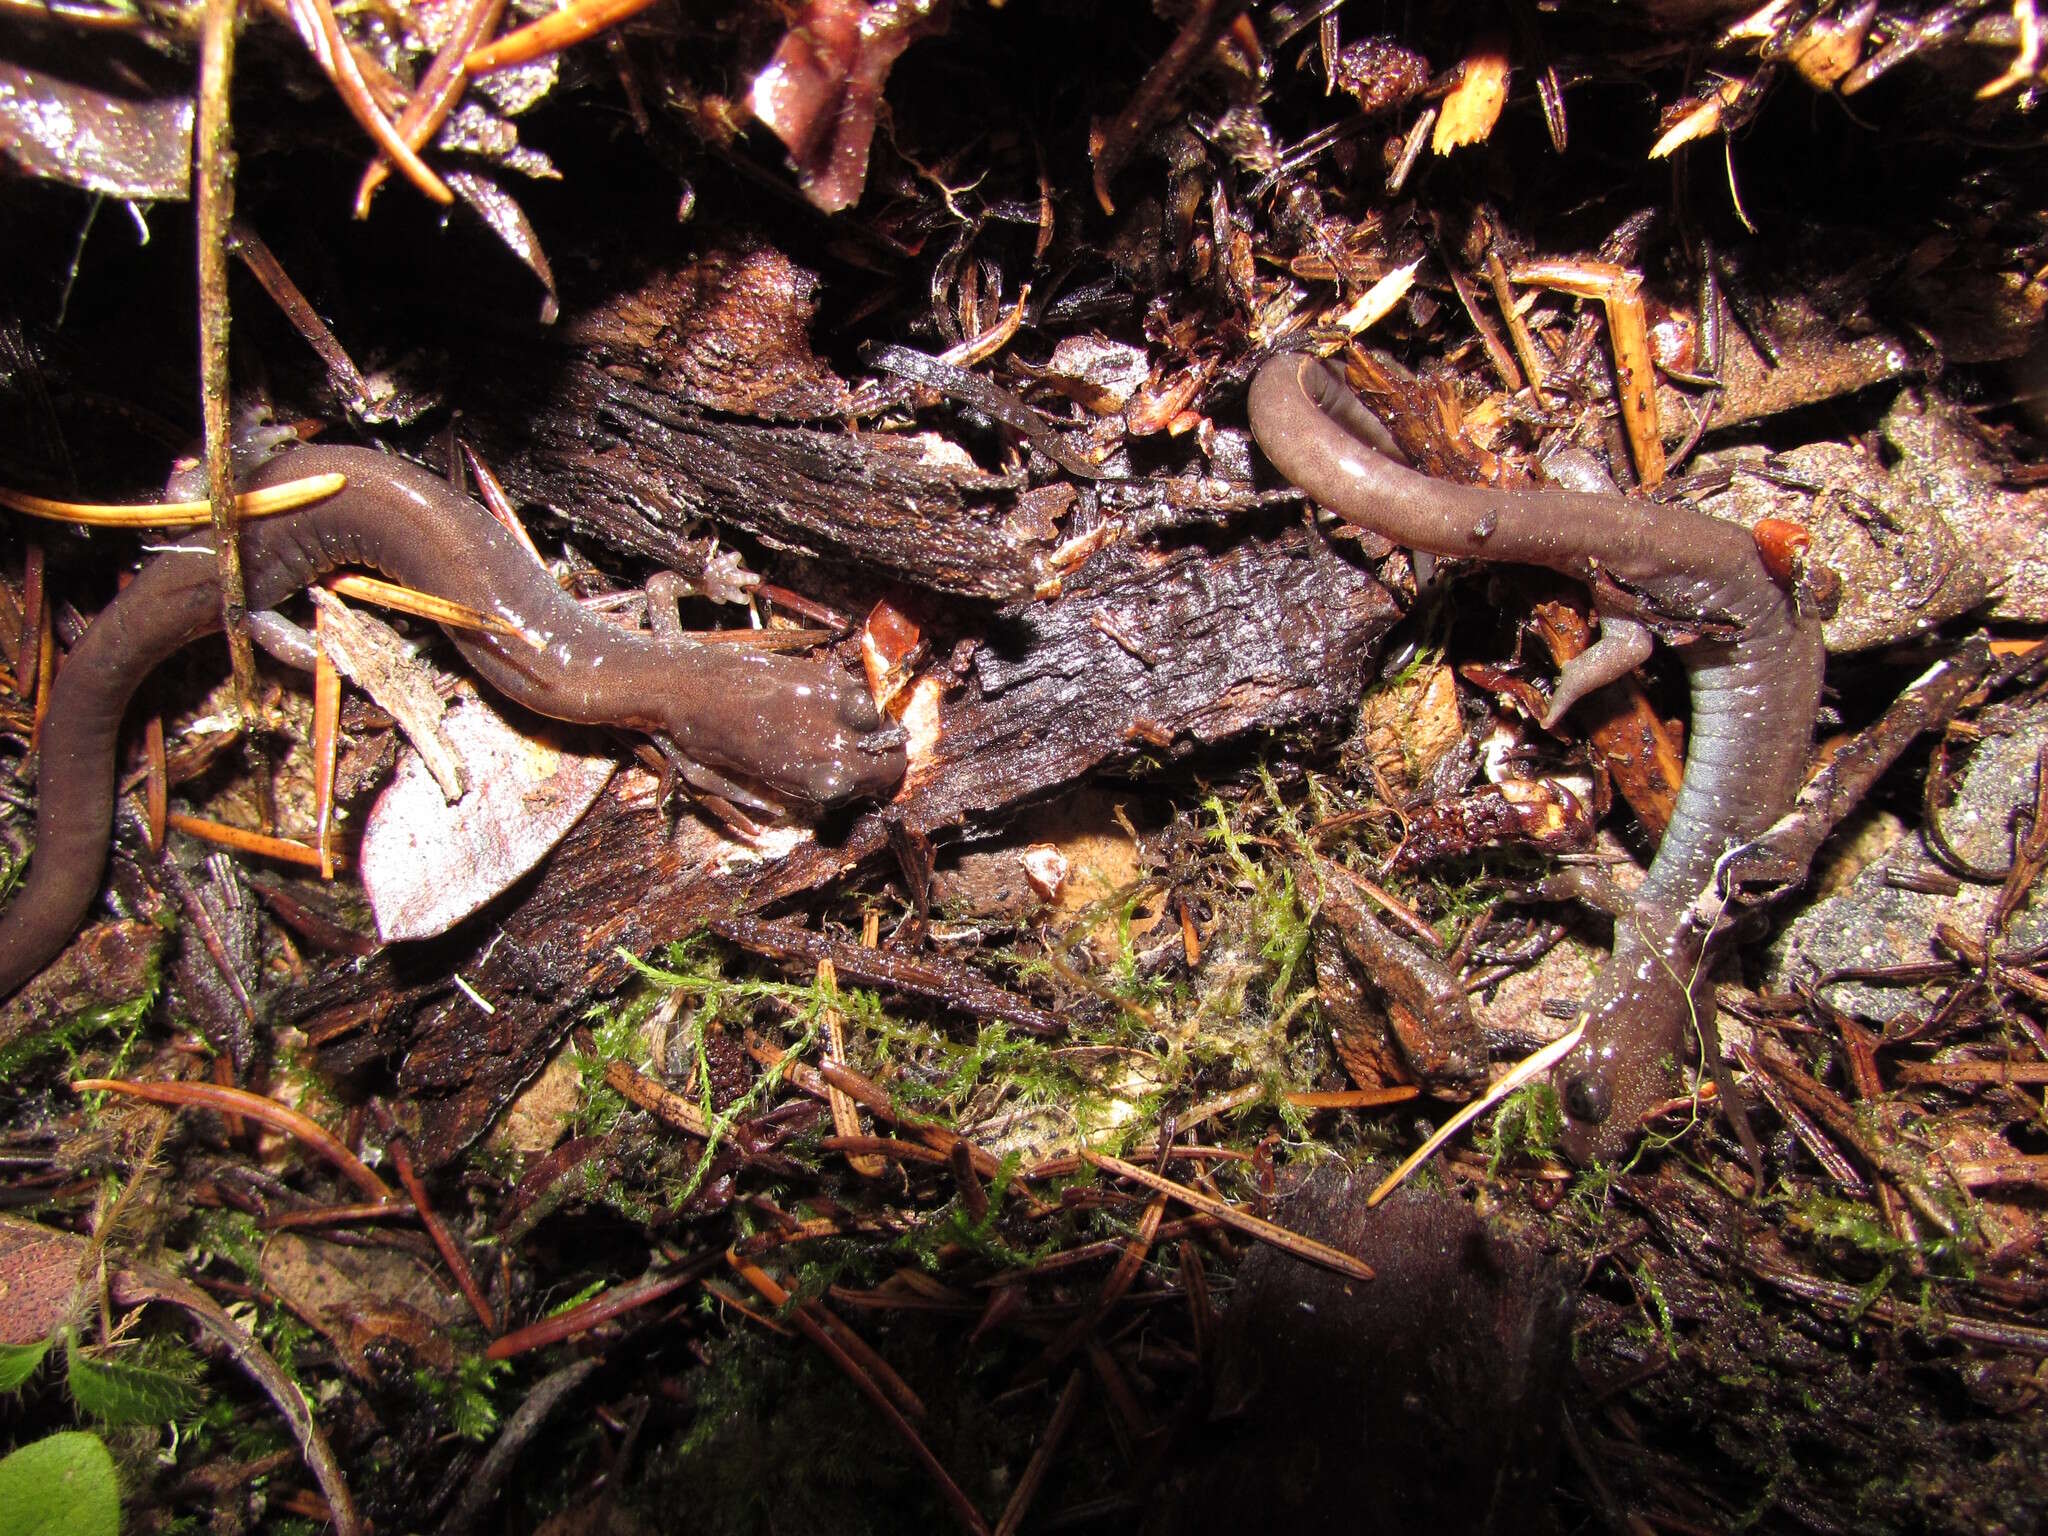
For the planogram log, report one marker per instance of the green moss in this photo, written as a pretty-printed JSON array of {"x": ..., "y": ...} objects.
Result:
[
  {"x": 229, "y": 1237},
  {"x": 1278, "y": 919},
  {"x": 1861, "y": 1229},
  {"x": 696, "y": 970},
  {"x": 614, "y": 1036},
  {"x": 66, "y": 1036},
  {"x": 1648, "y": 1287},
  {"x": 1527, "y": 1124},
  {"x": 469, "y": 1396}
]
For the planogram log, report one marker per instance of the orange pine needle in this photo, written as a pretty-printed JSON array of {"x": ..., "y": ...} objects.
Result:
[
  {"x": 267, "y": 502},
  {"x": 1243, "y": 1221},
  {"x": 553, "y": 32},
  {"x": 239, "y": 1101},
  {"x": 326, "y": 744},
  {"x": 288, "y": 850},
  {"x": 421, "y": 605}
]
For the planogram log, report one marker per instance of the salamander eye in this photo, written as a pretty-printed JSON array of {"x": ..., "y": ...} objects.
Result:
[{"x": 1588, "y": 1097}]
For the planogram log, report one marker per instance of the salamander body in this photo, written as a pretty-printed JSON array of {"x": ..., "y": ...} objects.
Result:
[
  {"x": 1754, "y": 695},
  {"x": 805, "y": 732}
]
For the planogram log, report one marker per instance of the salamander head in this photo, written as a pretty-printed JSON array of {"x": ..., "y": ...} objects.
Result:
[
  {"x": 1602, "y": 1113},
  {"x": 849, "y": 753},
  {"x": 802, "y": 735},
  {"x": 1623, "y": 1067},
  {"x": 858, "y": 765}
]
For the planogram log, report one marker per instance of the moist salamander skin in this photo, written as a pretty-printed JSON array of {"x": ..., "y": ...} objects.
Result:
[
  {"x": 805, "y": 732},
  {"x": 1753, "y": 699}
]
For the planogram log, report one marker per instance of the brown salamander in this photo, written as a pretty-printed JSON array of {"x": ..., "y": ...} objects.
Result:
[
  {"x": 1754, "y": 694},
  {"x": 804, "y": 732}
]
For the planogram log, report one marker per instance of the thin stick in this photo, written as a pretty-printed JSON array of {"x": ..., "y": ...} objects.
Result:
[
  {"x": 216, "y": 206},
  {"x": 1524, "y": 1071},
  {"x": 444, "y": 1240}
]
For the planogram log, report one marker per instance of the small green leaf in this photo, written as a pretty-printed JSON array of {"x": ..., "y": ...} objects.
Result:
[
  {"x": 60, "y": 1486},
  {"x": 18, "y": 1362},
  {"x": 118, "y": 1392}
]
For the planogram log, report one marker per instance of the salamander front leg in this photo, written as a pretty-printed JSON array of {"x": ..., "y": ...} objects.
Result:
[
  {"x": 665, "y": 589},
  {"x": 726, "y": 798},
  {"x": 1624, "y": 645}
]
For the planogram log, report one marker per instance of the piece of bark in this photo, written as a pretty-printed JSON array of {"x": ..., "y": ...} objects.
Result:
[
  {"x": 377, "y": 659},
  {"x": 1157, "y": 652},
  {"x": 642, "y": 469},
  {"x": 1818, "y": 323},
  {"x": 1542, "y": 815},
  {"x": 1359, "y": 1030},
  {"x": 728, "y": 331},
  {"x": 1271, "y": 630},
  {"x": 109, "y": 963},
  {"x": 216, "y": 967}
]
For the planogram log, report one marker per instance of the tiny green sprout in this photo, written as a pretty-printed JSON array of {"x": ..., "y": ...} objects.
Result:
[
  {"x": 468, "y": 1394},
  {"x": 1527, "y": 1124},
  {"x": 1653, "y": 1293}
]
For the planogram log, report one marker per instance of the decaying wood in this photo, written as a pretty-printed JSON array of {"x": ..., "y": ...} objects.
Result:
[
  {"x": 1149, "y": 652},
  {"x": 642, "y": 470},
  {"x": 684, "y": 399}
]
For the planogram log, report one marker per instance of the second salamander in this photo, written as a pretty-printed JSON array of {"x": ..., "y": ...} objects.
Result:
[{"x": 1754, "y": 696}]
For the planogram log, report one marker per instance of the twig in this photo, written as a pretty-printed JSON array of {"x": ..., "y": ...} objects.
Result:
[
  {"x": 616, "y": 1302},
  {"x": 214, "y": 150},
  {"x": 444, "y": 1240}
]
